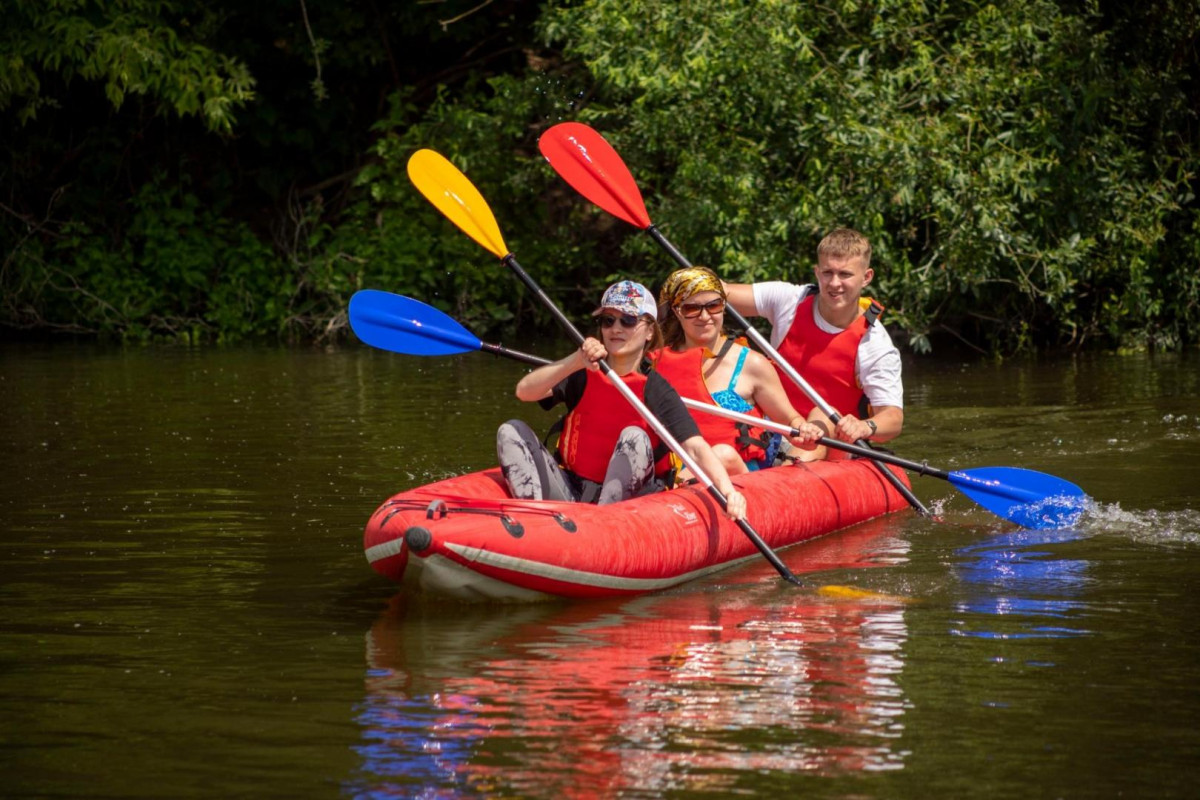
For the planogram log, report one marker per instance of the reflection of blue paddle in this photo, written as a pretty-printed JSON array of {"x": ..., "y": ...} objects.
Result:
[{"x": 1028, "y": 498}]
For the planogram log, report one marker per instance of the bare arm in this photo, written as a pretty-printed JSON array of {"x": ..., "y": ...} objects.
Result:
[
  {"x": 541, "y": 382},
  {"x": 769, "y": 395},
  {"x": 741, "y": 297},
  {"x": 889, "y": 421},
  {"x": 699, "y": 450}
]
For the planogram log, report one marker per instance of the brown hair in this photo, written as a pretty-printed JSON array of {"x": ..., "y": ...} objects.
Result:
[
  {"x": 653, "y": 344},
  {"x": 679, "y": 286},
  {"x": 845, "y": 243}
]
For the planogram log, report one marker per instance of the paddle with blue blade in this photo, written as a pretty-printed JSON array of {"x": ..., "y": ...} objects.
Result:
[
  {"x": 1026, "y": 497},
  {"x": 586, "y": 161},
  {"x": 1029, "y": 498},
  {"x": 403, "y": 325},
  {"x": 452, "y": 193}
]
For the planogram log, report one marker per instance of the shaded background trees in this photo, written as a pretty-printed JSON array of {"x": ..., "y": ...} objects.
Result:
[{"x": 1026, "y": 169}]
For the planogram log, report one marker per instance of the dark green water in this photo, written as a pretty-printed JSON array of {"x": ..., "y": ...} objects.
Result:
[{"x": 185, "y": 609}]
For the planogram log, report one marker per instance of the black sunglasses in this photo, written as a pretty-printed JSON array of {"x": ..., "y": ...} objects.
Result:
[
  {"x": 627, "y": 321},
  {"x": 692, "y": 310}
]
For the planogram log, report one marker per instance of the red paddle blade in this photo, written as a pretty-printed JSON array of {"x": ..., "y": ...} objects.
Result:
[{"x": 593, "y": 168}]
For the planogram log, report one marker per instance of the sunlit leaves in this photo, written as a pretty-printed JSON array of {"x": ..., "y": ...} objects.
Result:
[
  {"x": 126, "y": 47},
  {"x": 996, "y": 153}
]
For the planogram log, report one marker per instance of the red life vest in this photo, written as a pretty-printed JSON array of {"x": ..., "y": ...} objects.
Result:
[
  {"x": 591, "y": 429},
  {"x": 684, "y": 372},
  {"x": 825, "y": 360}
]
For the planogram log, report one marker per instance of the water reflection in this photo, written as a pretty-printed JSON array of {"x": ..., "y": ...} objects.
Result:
[
  {"x": 1022, "y": 585},
  {"x": 701, "y": 689}
]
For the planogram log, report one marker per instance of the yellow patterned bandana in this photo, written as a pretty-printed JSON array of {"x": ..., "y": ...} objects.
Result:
[{"x": 683, "y": 283}]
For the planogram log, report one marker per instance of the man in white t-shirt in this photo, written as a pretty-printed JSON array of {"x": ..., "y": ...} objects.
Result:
[{"x": 830, "y": 335}]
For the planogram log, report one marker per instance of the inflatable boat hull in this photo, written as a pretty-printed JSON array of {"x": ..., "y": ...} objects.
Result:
[{"x": 464, "y": 537}]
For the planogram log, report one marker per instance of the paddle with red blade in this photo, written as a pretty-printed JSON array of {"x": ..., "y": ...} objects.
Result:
[
  {"x": 452, "y": 193},
  {"x": 594, "y": 169},
  {"x": 1028, "y": 498}
]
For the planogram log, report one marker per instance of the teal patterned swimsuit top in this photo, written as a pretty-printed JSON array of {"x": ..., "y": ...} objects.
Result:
[{"x": 727, "y": 397}]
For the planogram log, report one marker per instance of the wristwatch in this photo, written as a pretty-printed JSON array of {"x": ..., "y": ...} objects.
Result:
[{"x": 874, "y": 428}]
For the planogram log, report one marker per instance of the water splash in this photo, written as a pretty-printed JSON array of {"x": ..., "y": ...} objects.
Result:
[
  {"x": 1051, "y": 513},
  {"x": 554, "y": 100},
  {"x": 1149, "y": 526}
]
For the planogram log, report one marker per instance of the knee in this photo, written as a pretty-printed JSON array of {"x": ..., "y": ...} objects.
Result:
[
  {"x": 634, "y": 439},
  {"x": 513, "y": 430},
  {"x": 514, "y": 438}
]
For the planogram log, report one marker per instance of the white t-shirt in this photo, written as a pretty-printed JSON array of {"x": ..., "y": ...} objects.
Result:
[{"x": 877, "y": 365}]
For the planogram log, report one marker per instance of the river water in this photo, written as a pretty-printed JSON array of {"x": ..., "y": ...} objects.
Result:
[{"x": 185, "y": 609}]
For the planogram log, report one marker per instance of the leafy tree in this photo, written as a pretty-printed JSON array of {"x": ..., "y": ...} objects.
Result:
[
  {"x": 1023, "y": 174},
  {"x": 1025, "y": 168},
  {"x": 129, "y": 47},
  {"x": 185, "y": 168}
]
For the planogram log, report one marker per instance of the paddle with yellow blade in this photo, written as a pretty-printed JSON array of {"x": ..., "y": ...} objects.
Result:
[
  {"x": 452, "y": 193},
  {"x": 1030, "y": 499},
  {"x": 586, "y": 161}
]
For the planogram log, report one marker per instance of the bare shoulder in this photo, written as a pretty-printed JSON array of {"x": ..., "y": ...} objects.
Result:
[{"x": 757, "y": 365}]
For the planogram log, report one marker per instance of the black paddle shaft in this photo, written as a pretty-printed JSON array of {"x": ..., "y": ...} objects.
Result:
[
  {"x": 654, "y": 422},
  {"x": 763, "y": 344}
]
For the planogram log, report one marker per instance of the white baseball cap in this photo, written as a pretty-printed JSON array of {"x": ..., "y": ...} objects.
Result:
[{"x": 628, "y": 297}]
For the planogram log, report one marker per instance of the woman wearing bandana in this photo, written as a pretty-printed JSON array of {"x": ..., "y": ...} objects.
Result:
[
  {"x": 607, "y": 452},
  {"x": 703, "y": 363}
]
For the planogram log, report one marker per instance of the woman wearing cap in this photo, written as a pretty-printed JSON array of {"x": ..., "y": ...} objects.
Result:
[
  {"x": 704, "y": 364},
  {"x": 607, "y": 452}
]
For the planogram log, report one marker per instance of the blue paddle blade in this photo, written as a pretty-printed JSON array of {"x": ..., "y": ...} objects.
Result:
[
  {"x": 1030, "y": 499},
  {"x": 403, "y": 325}
]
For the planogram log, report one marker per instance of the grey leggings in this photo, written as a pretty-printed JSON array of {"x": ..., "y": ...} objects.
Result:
[{"x": 532, "y": 473}]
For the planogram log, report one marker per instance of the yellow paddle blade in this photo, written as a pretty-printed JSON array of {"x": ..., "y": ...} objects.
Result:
[
  {"x": 453, "y": 194},
  {"x": 850, "y": 593}
]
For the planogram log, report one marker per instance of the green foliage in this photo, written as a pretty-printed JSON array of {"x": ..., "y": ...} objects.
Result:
[
  {"x": 122, "y": 213},
  {"x": 493, "y": 139},
  {"x": 182, "y": 271},
  {"x": 1025, "y": 169},
  {"x": 1000, "y": 156},
  {"x": 137, "y": 47}
]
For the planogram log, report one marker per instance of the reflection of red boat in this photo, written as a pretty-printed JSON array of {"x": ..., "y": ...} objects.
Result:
[
  {"x": 695, "y": 690},
  {"x": 465, "y": 537}
]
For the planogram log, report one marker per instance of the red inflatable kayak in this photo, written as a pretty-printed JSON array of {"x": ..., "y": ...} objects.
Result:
[{"x": 465, "y": 537}]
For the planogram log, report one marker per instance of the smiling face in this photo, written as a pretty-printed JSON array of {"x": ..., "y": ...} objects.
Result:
[
  {"x": 701, "y": 316},
  {"x": 841, "y": 280},
  {"x": 620, "y": 339}
]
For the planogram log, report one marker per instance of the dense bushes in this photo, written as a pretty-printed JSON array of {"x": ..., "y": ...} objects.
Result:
[
  {"x": 1025, "y": 172},
  {"x": 1026, "y": 169}
]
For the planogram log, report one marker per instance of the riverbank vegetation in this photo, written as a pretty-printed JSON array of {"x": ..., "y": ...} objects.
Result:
[{"x": 1026, "y": 170}]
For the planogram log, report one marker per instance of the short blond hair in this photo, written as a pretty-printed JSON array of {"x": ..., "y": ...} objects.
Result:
[{"x": 845, "y": 243}]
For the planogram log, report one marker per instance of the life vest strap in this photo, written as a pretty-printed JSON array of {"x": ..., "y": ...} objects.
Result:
[{"x": 872, "y": 310}]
